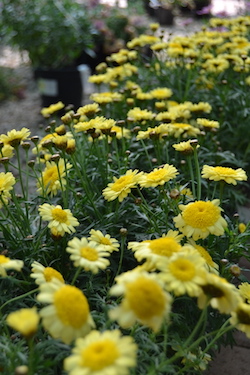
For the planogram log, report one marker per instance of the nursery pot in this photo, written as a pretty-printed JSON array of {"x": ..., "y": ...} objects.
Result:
[
  {"x": 164, "y": 16},
  {"x": 57, "y": 85}
]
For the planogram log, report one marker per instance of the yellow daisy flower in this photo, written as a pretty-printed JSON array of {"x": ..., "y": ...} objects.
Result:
[
  {"x": 61, "y": 220},
  {"x": 242, "y": 227},
  {"x": 121, "y": 186},
  {"x": 229, "y": 175},
  {"x": 106, "y": 97},
  {"x": 156, "y": 250},
  {"x": 67, "y": 316},
  {"x": 15, "y": 137},
  {"x": 183, "y": 272},
  {"x": 241, "y": 318},
  {"x": 120, "y": 132},
  {"x": 43, "y": 274},
  {"x": 244, "y": 289},
  {"x": 103, "y": 353},
  {"x": 219, "y": 293},
  {"x": 185, "y": 148},
  {"x": 207, "y": 124},
  {"x": 47, "y": 111},
  {"x": 161, "y": 93},
  {"x": 9, "y": 264},
  {"x": 7, "y": 151},
  {"x": 7, "y": 181},
  {"x": 178, "y": 129},
  {"x": 144, "y": 300},
  {"x": 87, "y": 254},
  {"x": 199, "y": 219},
  {"x": 210, "y": 264},
  {"x": 159, "y": 176},
  {"x": 105, "y": 240},
  {"x": 138, "y": 114},
  {"x": 89, "y": 109},
  {"x": 24, "y": 321},
  {"x": 53, "y": 177}
]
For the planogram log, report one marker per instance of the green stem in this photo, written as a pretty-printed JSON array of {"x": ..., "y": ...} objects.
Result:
[
  {"x": 18, "y": 297},
  {"x": 191, "y": 175},
  {"x": 198, "y": 173}
]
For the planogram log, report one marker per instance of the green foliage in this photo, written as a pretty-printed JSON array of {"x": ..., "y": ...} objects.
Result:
[{"x": 54, "y": 33}]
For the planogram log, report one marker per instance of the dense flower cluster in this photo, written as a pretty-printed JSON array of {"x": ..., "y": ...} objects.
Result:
[{"x": 126, "y": 243}]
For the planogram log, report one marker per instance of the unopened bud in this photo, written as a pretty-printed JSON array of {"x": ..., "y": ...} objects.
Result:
[
  {"x": 123, "y": 232},
  {"x": 235, "y": 270}
]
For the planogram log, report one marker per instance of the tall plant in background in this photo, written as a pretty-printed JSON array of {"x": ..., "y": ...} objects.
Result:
[{"x": 124, "y": 256}]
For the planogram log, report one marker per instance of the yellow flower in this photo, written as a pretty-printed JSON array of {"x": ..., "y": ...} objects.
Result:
[
  {"x": 87, "y": 254},
  {"x": 199, "y": 219},
  {"x": 210, "y": 264},
  {"x": 159, "y": 176},
  {"x": 120, "y": 132},
  {"x": 9, "y": 264},
  {"x": 216, "y": 65},
  {"x": 106, "y": 241},
  {"x": 242, "y": 227},
  {"x": 103, "y": 353},
  {"x": 7, "y": 181},
  {"x": 241, "y": 318},
  {"x": 156, "y": 250},
  {"x": 106, "y": 97},
  {"x": 178, "y": 129},
  {"x": 185, "y": 148},
  {"x": 59, "y": 219},
  {"x": 53, "y": 177},
  {"x": 89, "y": 109},
  {"x": 24, "y": 321},
  {"x": 138, "y": 114},
  {"x": 183, "y": 272},
  {"x": 219, "y": 293},
  {"x": 43, "y": 274},
  {"x": 144, "y": 301},
  {"x": 15, "y": 137},
  {"x": 121, "y": 186},
  {"x": 47, "y": 111},
  {"x": 244, "y": 289},
  {"x": 161, "y": 93},
  {"x": 7, "y": 151},
  {"x": 229, "y": 175},
  {"x": 67, "y": 316},
  {"x": 207, "y": 124}
]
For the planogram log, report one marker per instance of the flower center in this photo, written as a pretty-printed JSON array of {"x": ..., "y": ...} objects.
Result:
[
  {"x": 146, "y": 298},
  {"x": 122, "y": 183},
  {"x": 99, "y": 354},
  {"x": 50, "y": 273},
  {"x": 4, "y": 259},
  {"x": 212, "y": 291},
  {"x": 182, "y": 269},
  {"x": 89, "y": 253},
  {"x": 156, "y": 175},
  {"x": 225, "y": 171},
  {"x": 59, "y": 215},
  {"x": 243, "y": 317},
  {"x": 71, "y": 306},
  {"x": 105, "y": 241},
  {"x": 201, "y": 214},
  {"x": 165, "y": 246}
]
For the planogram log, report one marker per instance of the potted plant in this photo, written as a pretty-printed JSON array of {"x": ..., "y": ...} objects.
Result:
[
  {"x": 114, "y": 26},
  {"x": 54, "y": 33}
]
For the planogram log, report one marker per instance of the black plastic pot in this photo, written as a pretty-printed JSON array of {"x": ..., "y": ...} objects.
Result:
[
  {"x": 59, "y": 85},
  {"x": 164, "y": 16}
]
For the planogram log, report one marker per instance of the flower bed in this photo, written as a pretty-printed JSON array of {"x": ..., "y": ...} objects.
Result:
[{"x": 126, "y": 259}]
